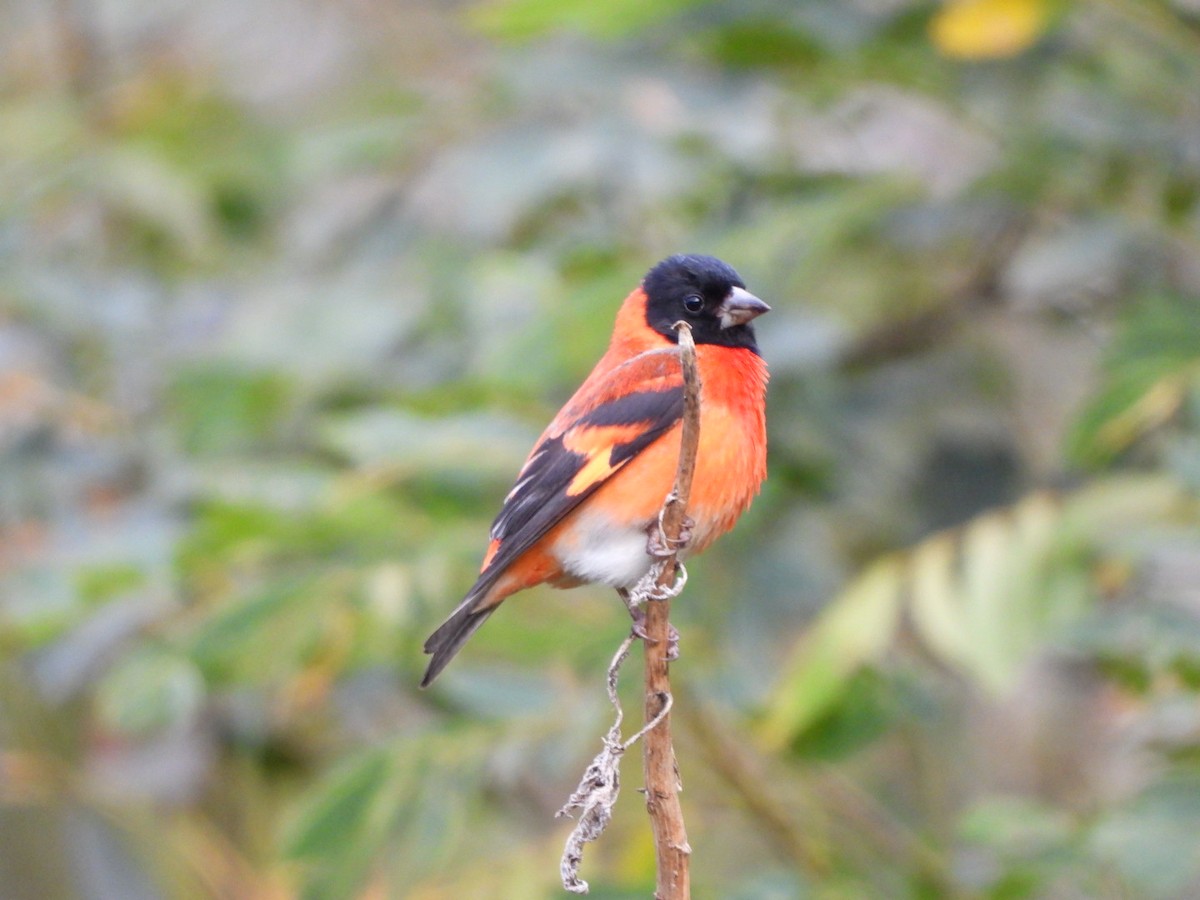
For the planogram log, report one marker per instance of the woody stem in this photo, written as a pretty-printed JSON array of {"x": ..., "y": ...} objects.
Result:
[{"x": 672, "y": 851}]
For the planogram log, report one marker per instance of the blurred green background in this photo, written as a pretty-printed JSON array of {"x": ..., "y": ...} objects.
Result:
[{"x": 287, "y": 289}]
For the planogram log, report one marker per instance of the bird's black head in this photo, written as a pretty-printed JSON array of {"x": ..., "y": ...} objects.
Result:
[{"x": 707, "y": 294}]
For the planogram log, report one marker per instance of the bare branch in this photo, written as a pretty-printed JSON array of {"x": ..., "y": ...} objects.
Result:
[
  {"x": 601, "y": 783},
  {"x": 672, "y": 851}
]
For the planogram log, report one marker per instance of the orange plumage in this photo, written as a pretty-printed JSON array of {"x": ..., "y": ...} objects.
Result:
[{"x": 592, "y": 487}]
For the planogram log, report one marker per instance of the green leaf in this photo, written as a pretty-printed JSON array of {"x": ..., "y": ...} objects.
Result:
[
  {"x": 865, "y": 711},
  {"x": 339, "y": 815},
  {"x": 220, "y": 408},
  {"x": 1151, "y": 367},
  {"x": 521, "y": 20},
  {"x": 410, "y": 794},
  {"x": 763, "y": 44},
  {"x": 356, "y": 525},
  {"x": 256, "y": 634},
  {"x": 1029, "y": 843},
  {"x": 983, "y": 597},
  {"x": 1139, "y": 645},
  {"x": 1001, "y": 577},
  {"x": 1016, "y": 826},
  {"x": 343, "y": 826},
  {"x": 97, "y": 583},
  {"x": 854, "y": 630},
  {"x": 150, "y": 690},
  {"x": 986, "y": 596}
]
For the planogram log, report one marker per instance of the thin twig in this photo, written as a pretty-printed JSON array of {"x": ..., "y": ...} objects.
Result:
[
  {"x": 672, "y": 851},
  {"x": 601, "y": 783}
]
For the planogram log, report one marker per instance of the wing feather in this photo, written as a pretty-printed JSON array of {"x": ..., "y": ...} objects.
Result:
[
  {"x": 604, "y": 426},
  {"x": 614, "y": 416}
]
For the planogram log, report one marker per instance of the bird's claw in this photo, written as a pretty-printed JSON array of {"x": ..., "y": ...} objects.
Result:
[
  {"x": 639, "y": 630},
  {"x": 661, "y": 546}
]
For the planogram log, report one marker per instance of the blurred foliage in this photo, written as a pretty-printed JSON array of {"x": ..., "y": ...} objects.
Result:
[
  {"x": 1150, "y": 371},
  {"x": 287, "y": 290}
]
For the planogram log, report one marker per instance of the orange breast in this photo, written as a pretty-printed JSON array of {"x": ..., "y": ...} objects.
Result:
[{"x": 731, "y": 462}]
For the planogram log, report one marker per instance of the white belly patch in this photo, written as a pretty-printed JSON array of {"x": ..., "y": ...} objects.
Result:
[{"x": 596, "y": 551}]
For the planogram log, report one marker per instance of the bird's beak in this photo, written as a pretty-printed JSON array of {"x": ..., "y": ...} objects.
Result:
[{"x": 739, "y": 307}]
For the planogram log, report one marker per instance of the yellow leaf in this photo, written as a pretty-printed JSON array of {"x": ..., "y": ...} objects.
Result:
[
  {"x": 935, "y": 599},
  {"x": 988, "y": 29}
]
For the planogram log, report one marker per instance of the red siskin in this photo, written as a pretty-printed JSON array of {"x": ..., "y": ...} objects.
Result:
[{"x": 589, "y": 494}]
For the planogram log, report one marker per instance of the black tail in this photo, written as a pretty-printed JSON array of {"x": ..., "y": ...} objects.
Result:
[{"x": 452, "y": 634}]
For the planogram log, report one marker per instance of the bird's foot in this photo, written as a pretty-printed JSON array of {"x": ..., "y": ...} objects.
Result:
[
  {"x": 639, "y": 629},
  {"x": 638, "y": 615},
  {"x": 660, "y": 546}
]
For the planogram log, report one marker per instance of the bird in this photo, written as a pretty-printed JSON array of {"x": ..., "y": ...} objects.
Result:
[{"x": 585, "y": 505}]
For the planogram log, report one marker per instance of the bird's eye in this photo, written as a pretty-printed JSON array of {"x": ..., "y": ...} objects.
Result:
[{"x": 693, "y": 303}]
